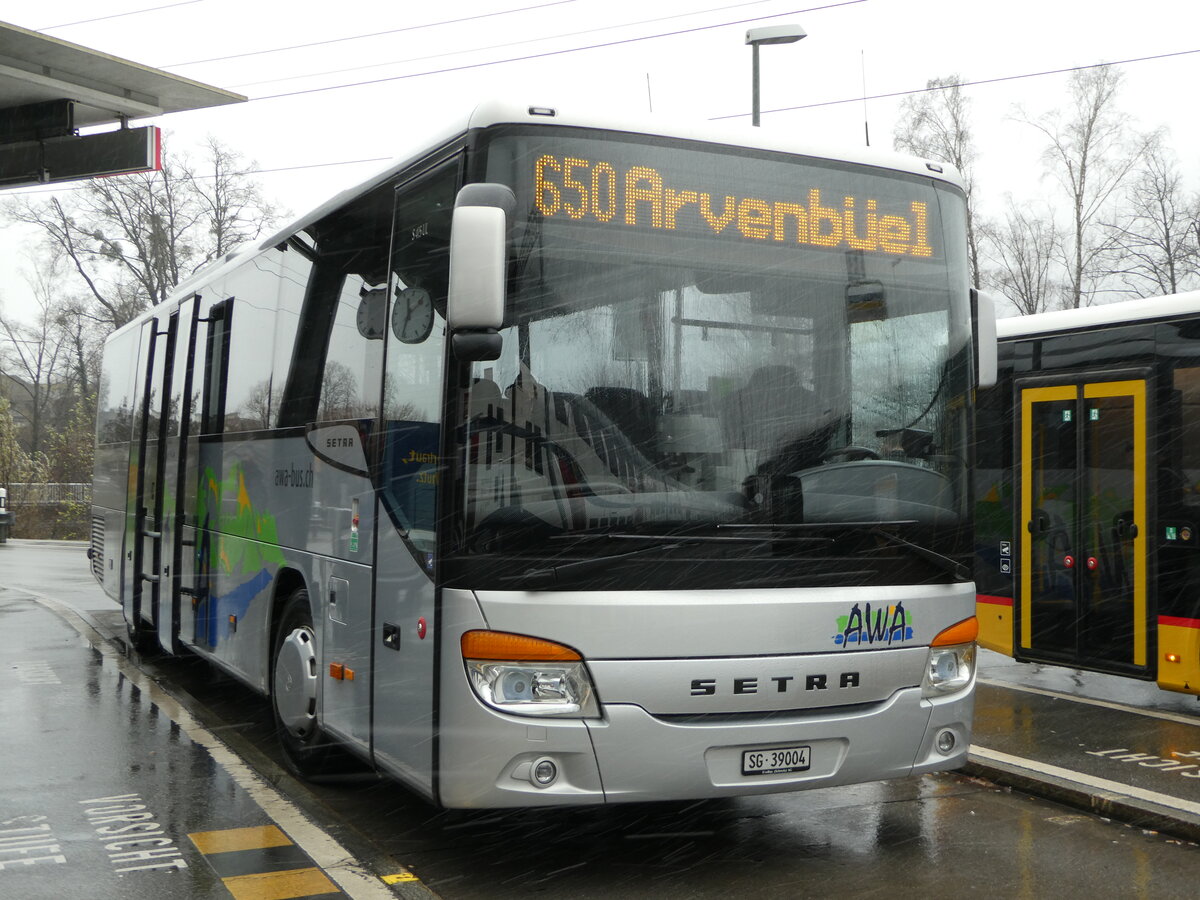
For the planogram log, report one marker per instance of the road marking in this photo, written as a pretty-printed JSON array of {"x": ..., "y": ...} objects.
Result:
[
  {"x": 35, "y": 671},
  {"x": 233, "y": 839},
  {"x": 326, "y": 852},
  {"x": 1106, "y": 704},
  {"x": 1114, "y": 788},
  {"x": 279, "y": 885}
]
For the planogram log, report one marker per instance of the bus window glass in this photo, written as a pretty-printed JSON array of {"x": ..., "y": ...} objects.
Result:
[
  {"x": 350, "y": 385},
  {"x": 1187, "y": 386},
  {"x": 689, "y": 344},
  {"x": 117, "y": 390},
  {"x": 293, "y": 281},
  {"x": 254, "y": 287},
  {"x": 416, "y": 343}
]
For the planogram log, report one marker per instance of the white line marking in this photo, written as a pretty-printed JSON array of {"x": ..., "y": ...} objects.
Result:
[
  {"x": 1114, "y": 788},
  {"x": 326, "y": 852},
  {"x": 1107, "y": 704}
]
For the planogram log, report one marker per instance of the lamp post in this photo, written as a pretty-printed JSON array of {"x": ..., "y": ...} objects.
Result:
[{"x": 770, "y": 34}]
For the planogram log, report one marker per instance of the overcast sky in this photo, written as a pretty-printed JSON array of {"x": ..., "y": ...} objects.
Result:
[{"x": 331, "y": 83}]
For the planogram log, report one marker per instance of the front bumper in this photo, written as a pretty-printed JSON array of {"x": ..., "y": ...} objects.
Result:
[{"x": 632, "y": 756}]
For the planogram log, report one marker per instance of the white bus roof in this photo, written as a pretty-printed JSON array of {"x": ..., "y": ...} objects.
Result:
[
  {"x": 1144, "y": 309},
  {"x": 496, "y": 112}
]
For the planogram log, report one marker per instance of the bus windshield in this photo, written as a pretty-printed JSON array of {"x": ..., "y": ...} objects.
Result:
[{"x": 711, "y": 358}]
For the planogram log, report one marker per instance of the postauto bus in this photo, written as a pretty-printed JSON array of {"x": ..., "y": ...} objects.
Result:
[
  {"x": 571, "y": 461},
  {"x": 1089, "y": 491}
]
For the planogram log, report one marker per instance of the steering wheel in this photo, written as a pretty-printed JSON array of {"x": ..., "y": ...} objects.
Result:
[{"x": 851, "y": 452}]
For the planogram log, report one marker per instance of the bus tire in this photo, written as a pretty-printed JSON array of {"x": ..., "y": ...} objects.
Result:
[{"x": 294, "y": 673}]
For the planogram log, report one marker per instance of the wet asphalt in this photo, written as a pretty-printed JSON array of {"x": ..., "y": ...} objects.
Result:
[{"x": 126, "y": 778}]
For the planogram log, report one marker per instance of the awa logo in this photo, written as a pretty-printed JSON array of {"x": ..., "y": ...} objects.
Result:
[{"x": 866, "y": 627}]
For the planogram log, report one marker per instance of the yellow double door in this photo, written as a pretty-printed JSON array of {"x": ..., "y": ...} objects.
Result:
[{"x": 1083, "y": 476}]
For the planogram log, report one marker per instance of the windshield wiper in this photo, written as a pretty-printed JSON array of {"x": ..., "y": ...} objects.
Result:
[
  {"x": 764, "y": 534},
  {"x": 945, "y": 563},
  {"x": 661, "y": 542},
  {"x": 583, "y": 566}
]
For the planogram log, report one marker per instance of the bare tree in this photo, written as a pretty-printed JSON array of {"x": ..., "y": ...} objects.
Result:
[
  {"x": 14, "y": 461},
  {"x": 1025, "y": 249},
  {"x": 131, "y": 239},
  {"x": 1091, "y": 153},
  {"x": 51, "y": 359},
  {"x": 72, "y": 444},
  {"x": 31, "y": 354},
  {"x": 1154, "y": 242},
  {"x": 339, "y": 393},
  {"x": 935, "y": 125}
]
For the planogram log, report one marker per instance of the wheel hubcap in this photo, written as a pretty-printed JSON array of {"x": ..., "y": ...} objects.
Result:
[{"x": 296, "y": 682}]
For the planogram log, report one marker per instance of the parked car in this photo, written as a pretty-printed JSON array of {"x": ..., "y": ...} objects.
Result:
[{"x": 6, "y": 516}]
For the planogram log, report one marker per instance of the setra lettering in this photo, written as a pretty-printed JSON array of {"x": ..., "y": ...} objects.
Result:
[{"x": 819, "y": 681}]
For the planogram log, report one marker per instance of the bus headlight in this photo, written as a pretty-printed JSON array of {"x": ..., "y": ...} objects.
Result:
[
  {"x": 528, "y": 676},
  {"x": 951, "y": 663}
]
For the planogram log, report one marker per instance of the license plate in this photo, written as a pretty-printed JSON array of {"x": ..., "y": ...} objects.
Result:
[{"x": 777, "y": 761}]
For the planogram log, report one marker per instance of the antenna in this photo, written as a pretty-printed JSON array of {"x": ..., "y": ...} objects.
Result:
[
  {"x": 649, "y": 96},
  {"x": 866, "y": 124}
]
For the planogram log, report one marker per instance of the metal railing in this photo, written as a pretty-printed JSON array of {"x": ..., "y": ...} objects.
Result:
[{"x": 48, "y": 494}]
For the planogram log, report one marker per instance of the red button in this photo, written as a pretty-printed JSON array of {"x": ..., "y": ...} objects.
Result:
[
  {"x": 1069, "y": 562},
  {"x": 1092, "y": 563}
]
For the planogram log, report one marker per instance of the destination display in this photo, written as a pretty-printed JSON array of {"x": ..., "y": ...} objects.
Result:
[{"x": 712, "y": 195}]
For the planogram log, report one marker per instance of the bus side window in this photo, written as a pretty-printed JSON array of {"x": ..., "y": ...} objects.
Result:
[
  {"x": 334, "y": 353},
  {"x": 1184, "y": 453},
  {"x": 252, "y": 382},
  {"x": 296, "y": 267},
  {"x": 216, "y": 368},
  {"x": 351, "y": 380},
  {"x": 117, "y": 390}
]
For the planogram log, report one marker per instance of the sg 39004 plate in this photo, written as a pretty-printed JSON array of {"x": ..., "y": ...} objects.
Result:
[{"x": 776, "y": 761}]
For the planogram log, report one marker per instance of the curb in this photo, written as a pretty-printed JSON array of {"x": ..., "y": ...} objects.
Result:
[{"x": 1144, "y": 814}]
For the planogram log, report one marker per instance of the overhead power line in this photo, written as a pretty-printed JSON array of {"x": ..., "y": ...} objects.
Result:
[
  {"x": 548, "y": 53},
  {"x": 889, "y": 94},
  {"x": 132, "y": 12},
  {"x": 506, "y": 44},
  {"x": 976, "y": 83},
  {"x": 359, "y": 37}
]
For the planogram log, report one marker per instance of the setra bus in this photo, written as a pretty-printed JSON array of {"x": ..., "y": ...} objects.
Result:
[
  {"x": 1088, "y": 493},
  {"x": 571, "y": 461}
]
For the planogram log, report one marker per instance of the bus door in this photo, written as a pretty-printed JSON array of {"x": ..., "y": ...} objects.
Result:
[
  {"x": 179, "y": 497},
  {"x": 144, "y": 513},
  {"x": 1083, "y": 528}
]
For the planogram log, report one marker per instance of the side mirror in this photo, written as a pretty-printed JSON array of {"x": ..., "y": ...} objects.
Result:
[
  {"x": 478, "y": 269},
  {"x": 986, "y": 350}
]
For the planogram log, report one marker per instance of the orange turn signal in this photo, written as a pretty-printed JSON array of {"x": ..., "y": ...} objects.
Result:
[
  {"x": 963, "y": 633},
  {"x": 502, "y": 645}
]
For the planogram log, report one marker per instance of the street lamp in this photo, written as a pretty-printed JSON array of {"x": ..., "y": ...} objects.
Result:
[{"x": 770, "y": 34}]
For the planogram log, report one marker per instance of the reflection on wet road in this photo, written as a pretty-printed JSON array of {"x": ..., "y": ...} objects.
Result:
[
  {"x": 109, "y": 788},
  {"x": 83, "y": 725}
]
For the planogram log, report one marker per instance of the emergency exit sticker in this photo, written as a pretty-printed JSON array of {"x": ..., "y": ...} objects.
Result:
[{"x": 1067, "y": 415}]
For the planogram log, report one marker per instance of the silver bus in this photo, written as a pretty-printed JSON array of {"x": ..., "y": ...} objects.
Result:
[{"x": 571, "y": 461}]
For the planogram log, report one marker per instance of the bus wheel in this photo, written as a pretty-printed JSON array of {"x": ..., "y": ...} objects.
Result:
[{"x": 294, "y": 673}]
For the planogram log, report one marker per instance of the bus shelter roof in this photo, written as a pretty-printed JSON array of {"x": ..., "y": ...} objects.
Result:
[{"x": 35, "y": 68}]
